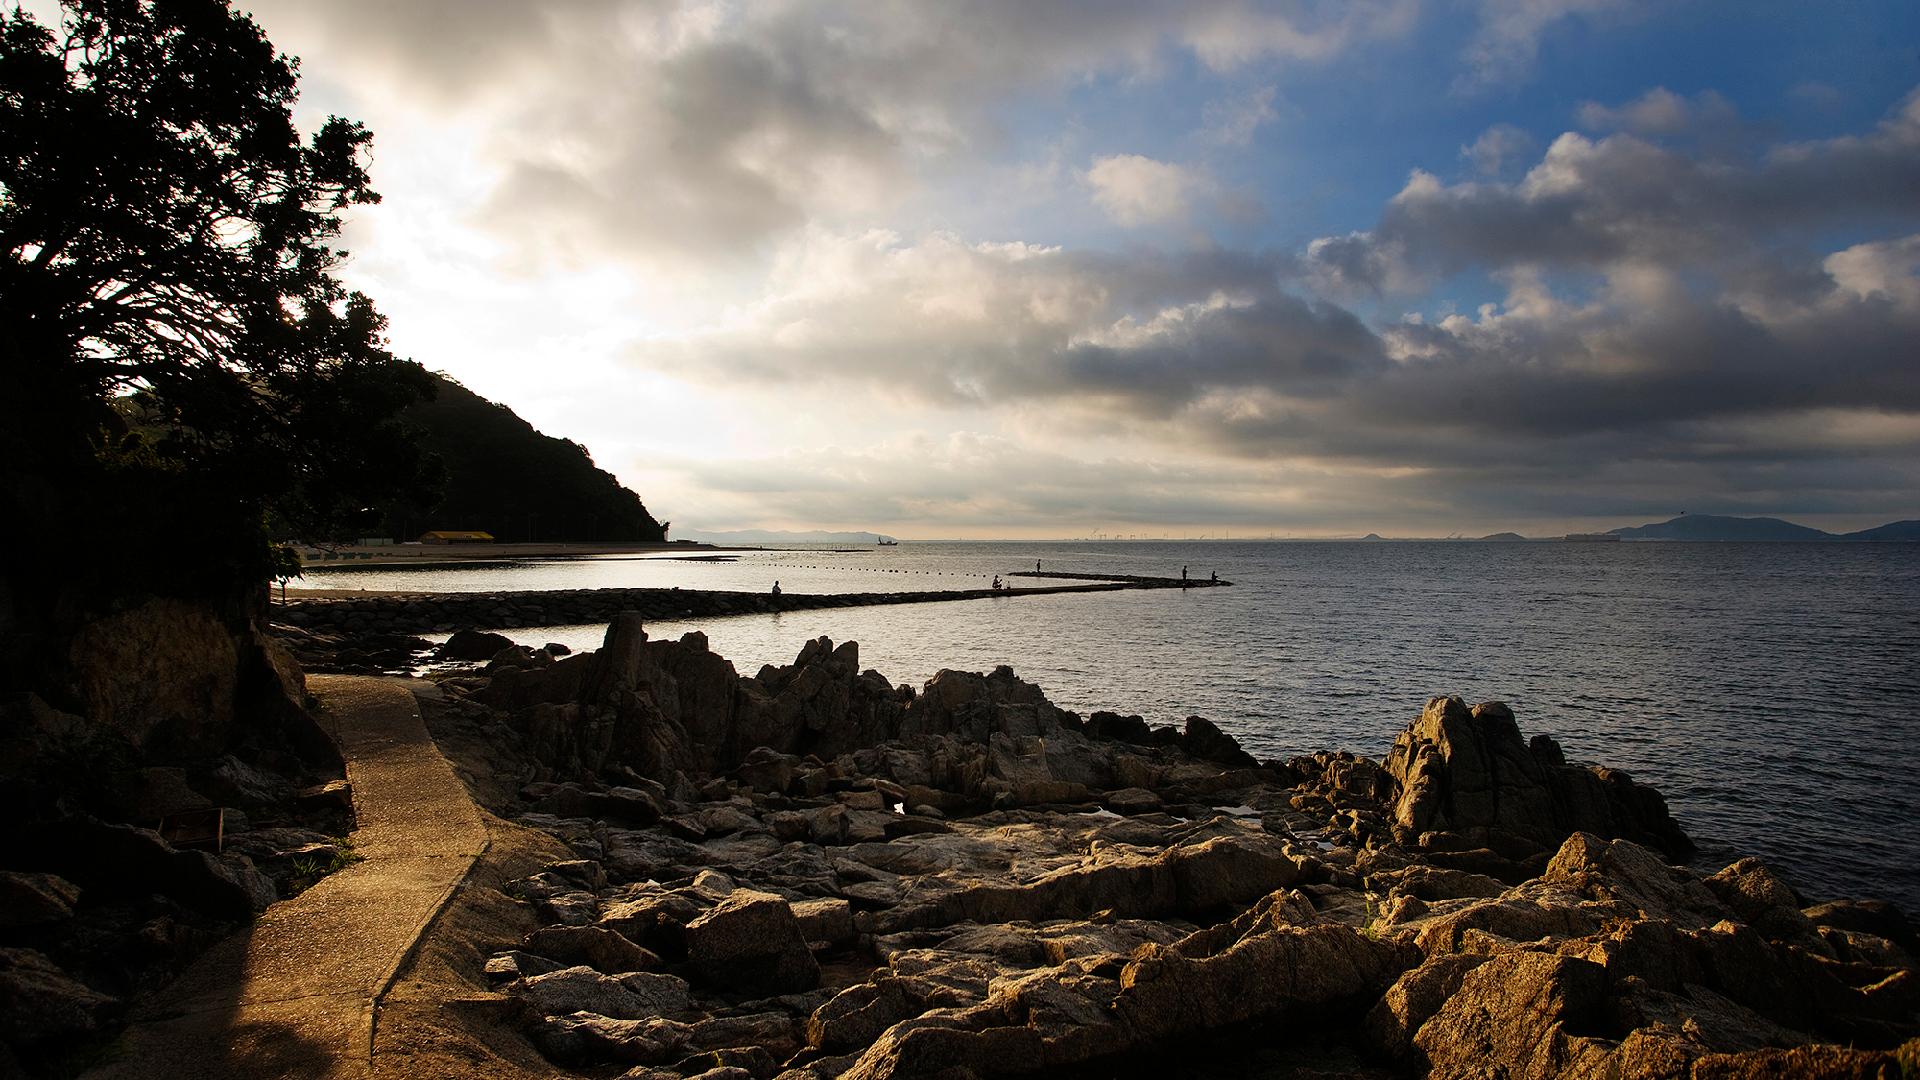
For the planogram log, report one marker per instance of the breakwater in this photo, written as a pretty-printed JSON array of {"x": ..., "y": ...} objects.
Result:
[{"x": 419, "y": 613}]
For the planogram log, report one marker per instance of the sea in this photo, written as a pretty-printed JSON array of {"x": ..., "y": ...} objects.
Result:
[{"x": 1770, "y": 691}]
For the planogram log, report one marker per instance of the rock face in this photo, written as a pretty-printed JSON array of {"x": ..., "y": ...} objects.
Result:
[
  {"x": 752, "y": 943},
  {"x": 1467, "y": 780},
  {"x": 824, "y": 876}
]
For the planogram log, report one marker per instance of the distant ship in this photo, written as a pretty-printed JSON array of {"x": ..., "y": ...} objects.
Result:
[
  {"x": 1592, "y": 538},
  {"x": 888, "y": 543}
]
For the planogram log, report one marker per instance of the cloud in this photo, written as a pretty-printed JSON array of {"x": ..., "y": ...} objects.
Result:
[
  {"x": 1660, "y": 111},
  {"x": 1496, "y": 148},
  {"x": 1591, "y": 203},
  {"x": 1135, "y": 190},
  {"x": 1506, "y": 42},
  {"x": 698, "y": 131},
  {"x": 1233, "y": 121}
]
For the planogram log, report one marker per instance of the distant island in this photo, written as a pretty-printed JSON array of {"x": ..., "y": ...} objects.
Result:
[
  {"x": 781, "y": 536},
  {"x": 1713, "y": 527}
]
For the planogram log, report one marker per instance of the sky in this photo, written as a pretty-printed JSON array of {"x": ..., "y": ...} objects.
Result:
[{"x": 1041, "y": 268}]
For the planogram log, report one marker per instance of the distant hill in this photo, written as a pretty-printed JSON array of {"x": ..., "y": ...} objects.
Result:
[
  {"x": 1504, "y": 536},
  {"x": 1898, "y": 530},
  {"x": 506, "y": 478},
  {"x": 779, "y": 536},
  {"x": 1711, "y": 527}
]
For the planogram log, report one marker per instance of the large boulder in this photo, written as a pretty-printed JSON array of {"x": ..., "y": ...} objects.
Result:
[
  {"x": 751, "y": 942},
  {"x": 40, "y": 1002},
  {"x": 1466, "y": 779}
]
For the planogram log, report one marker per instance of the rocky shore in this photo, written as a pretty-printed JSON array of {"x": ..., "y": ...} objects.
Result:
[{"x": 809, "y": 872}]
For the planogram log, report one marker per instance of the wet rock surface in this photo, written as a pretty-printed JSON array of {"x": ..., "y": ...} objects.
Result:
[{"x": 812, "y": 873}]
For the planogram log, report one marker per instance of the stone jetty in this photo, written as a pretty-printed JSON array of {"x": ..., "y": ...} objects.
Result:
[{"x": 430, "y": 612}]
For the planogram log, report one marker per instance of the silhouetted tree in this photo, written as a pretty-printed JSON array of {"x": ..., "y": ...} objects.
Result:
[{"x": 179, "y": 363}]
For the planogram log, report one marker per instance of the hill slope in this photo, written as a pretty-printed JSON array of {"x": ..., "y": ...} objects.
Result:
[
  {"x": 1716, "y": 527},
  {"x": 506, "y": 478},
  {"x": 1893, "y": 530}
]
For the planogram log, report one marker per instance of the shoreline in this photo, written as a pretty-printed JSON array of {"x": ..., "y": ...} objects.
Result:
[{"x": 807, "y": 873}]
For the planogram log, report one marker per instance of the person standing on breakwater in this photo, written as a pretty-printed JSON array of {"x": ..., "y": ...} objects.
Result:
[
  {"x": 1214, "y": 577},
  {"x": 1183, "y": 575},
  {"x": 996, "y": 583},
  {"x": 1036, "y": 566},
  {"x": 776, "y": 588}
]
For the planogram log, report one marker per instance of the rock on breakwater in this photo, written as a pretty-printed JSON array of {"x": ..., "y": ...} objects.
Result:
[{"x": 988, "y": 885}]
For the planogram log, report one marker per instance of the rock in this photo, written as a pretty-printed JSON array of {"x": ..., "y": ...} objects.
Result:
[
  {"x": 1468, "y": 773},
  {"x": 1521, "y": 1015},
  {"x": 28, "y": 899},
  {"x": 767, "y": 770},
  {"x": 472, "y": 646},
  {"x": 584, "y": 1039},
  {"x": 238, "y": 782},
  {"x": 334, "y": 796},
  {"x": 582, "y": 989},
  {"x": 597, "y": 947},
  {"x": 1203, "y": 740},
  {"x": 1133, "y": 800},
  {"x": 1227, "y": 871},
  {"x": 829, "y": 920},
  {"x": 1414, "y": 998},
  {"x": 752, "y": 943},
  {"x": 40, "y": 1002},
  {"x": 514, "y": 964},
  {"x": 1168, "y": 990}
]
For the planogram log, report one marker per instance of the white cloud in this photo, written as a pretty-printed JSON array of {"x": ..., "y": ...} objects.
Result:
[
  {"x": 1233, "y": 121},
  {"x": 1135, "y": 190},
  {"x": 1507, "y": 40},
  {"x": 1496, "y": 148},
  {"x": 1660, "y": 111}
]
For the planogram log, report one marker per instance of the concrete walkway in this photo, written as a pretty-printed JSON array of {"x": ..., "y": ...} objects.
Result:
[{"x": 296, "y": 994}]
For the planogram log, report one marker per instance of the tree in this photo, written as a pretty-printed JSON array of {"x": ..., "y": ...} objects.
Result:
[{"x": 180, "y": 365}]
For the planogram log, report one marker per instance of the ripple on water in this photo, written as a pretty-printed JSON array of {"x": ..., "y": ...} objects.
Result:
[{"x": 1768, "y": 690}]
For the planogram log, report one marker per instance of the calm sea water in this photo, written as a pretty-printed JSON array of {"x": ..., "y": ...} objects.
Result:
[{"x": 1771, "y": 691}]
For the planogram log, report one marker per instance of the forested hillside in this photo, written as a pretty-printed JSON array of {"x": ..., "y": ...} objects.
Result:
[{"x": 506, "y": 478}]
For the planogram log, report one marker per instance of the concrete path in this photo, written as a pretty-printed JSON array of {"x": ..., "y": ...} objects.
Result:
[{"x": 296, "y": 994}]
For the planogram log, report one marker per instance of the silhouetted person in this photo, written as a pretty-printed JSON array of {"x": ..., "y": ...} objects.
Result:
[
  {"x": 1036, "y": 566},
  {"x": 1214, "y": 577},
  {"x": 776, "y": 588},
  {"x": 996, "y": 583}
]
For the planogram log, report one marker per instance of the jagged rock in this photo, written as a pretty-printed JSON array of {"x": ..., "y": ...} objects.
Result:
[
  {"x": 1524, "y": 1015},
  {"x": 829, "y": 920},
  {"x": 581, "y": 989},
  {"x": 472, "y": 646},
  {"x": 586, "y": 1039},
  {"x": 1169, "y": 990},
  {"x": 597, "y": 947},
  {"x": 766, "y": 769},
  {"x": 28, "y": 899},
  {"x": 1204, "y": 740},
  {"x": 514, "y": 964},
  {"x": 1468, "y": 773},
  {"x": 1414, "y": 998},
  {"x": 39, "y": 1002},
  {"x": 752, "y": 943}
]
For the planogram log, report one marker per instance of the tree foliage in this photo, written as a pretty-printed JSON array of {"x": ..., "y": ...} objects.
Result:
[{"x": 181, "y": 362}]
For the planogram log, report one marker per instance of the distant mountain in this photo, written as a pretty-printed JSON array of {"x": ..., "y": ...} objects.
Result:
[
  {"x": 1897, "y": 530},
  {"x": 778, "y": 536},
  {"x": 1505, "y": 536},
  {"x": 505, "y": 478},
  {"x": 1373, "y": 536},
  {"x": 1713, "y": 527}
]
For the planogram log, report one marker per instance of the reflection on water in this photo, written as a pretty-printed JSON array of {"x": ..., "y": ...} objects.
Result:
[{"x": 1770, "y": 690}]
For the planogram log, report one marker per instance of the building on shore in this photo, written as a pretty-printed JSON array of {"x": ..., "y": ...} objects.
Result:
[{"x": 456, "y": 536}]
